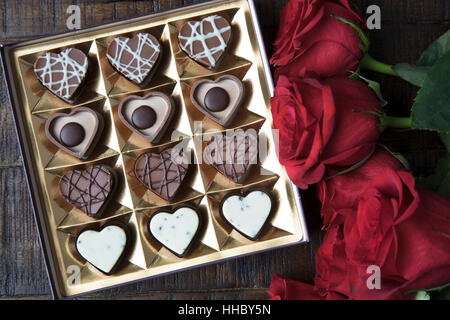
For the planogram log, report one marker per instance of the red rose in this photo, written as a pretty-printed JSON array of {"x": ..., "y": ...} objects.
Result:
[
  {"x": 418, "y": 255},
  {"x": 309, "y": 37},
  {"x": 322, "y": 125},
  {"x": 342, "y": 192}
]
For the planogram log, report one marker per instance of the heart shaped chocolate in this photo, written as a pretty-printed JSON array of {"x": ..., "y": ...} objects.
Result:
[
  {"x": 104, "y": 249},
  {"x": 148, "y": 116},
  {"x": 89, "y": 190},
  {"x": 232, "y": 155},
  {"x": 77, "y": 133},
  {"x": 62, "y": 73},
  {"x": 220, "y": 99},
  {"x": 176, "y": 231},
  {"x": 206, "y": 41},
  {"x": 161, "y": 173},
  {"x": 247, "y": 213},
  {"x": 135, "y": 58}
]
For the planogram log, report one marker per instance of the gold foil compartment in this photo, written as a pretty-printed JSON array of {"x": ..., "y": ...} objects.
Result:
[
  {"x": 133, "y": 204},
  {"x": 161, "y": 74},
  {"x": 52, "y": 157},
  {"x": 132, "y": 262},
  {"x": 203, "y": 244},
  {"x": 40, "y": 99},
  {"x": 67, "y": 215},
  {"x": 144, "y": 198}
]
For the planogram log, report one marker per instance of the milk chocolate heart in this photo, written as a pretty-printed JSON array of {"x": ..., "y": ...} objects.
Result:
[
  {"x": 232, "y": 155},
  {"x": 161, "y": 173},
  {"x": 247, "y": 213},
  {"x": 206, "y": 41},
  {"x": 89, "y": 190},
  {"x": 104, "y": 249},
  {"x": 135, "y": 58},
  {"x": 220, "y": 99},
  {"x": 62, "y": 73},
  {"x": 77, "y": 133},
  {"x": 175, "y": 230},
  {"x": 148, "y": 116}
]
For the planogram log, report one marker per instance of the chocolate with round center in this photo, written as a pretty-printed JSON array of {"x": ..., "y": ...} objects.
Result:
[
  {"x": 62, "y": 73},
  {"x": 206, "y": 41},
  {"x": 161, "y": 173},
  {"x": 89, "y": 190},
  {"x": 76, "y": 133},
  {"x": 143, "y": 117},
  {"x": 219, "y": 100},
  {"x": 232, "y": 155},
  {"x": 72, "y": 134},
  {"x": 148, "y": 116}
]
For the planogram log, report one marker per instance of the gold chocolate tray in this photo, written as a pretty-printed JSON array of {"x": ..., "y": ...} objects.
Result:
[{"x": 59, "y": 223}]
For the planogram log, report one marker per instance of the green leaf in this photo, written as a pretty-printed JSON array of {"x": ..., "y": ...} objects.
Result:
[
  {"x": 439, "y": 181},
  {"x": 436, "y": 50},
  {"x": 375, "y": 86},
  {"x": 413, "y": 74},
  {"x": 422, "y": 295},
  {"x": 445, "y": 137},
  {"x": 431, "y": 109}
]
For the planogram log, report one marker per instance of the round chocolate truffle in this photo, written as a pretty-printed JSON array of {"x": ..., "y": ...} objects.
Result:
[
  {"x": 216, "y": 99},
  {"x": 143, "y": 117},
  {"x": 72, "y": 134}
]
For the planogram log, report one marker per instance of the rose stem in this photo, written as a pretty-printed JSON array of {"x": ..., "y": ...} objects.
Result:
[{"x": 370, "y": 63}]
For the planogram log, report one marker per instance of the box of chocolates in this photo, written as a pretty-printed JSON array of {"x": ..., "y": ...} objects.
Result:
[{"x": 148, "y": 146}]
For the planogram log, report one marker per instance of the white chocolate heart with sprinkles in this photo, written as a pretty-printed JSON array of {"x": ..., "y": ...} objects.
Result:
[
  {"x": 247, "y": 214},
  {"x": 102, "y": 249},
  {"x": 175, "y": 230}
]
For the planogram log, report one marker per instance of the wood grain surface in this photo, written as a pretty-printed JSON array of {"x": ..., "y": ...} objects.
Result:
[{"x": 408, "y": 26}]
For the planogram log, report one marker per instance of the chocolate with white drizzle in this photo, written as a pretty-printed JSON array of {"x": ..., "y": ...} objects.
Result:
[
  {"x": 135, "y": 58},
  {"x": 206, "y": 41},
  {"x": 89, "y": 190},
  {"x": 161, "y": 173},
  {"x": 62, "y": 73}
]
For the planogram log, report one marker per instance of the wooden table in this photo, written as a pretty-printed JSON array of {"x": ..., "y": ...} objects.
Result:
[{"x": 407, "y": 28}]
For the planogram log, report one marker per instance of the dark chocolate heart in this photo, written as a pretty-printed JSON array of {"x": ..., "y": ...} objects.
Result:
[
  {"x": 135, "y": 58},
  {"x": 210, "y": 101},
  {"x": 62, "y": 73},
  {"x": 89, "y": 190},
  {"x": 148, "y": 116},
  {"x": 232, "y": 155},
  {"x": 206, "y": 41},
  {"x": 77, "y": 132},
  {"x": 161, "y": 173}
]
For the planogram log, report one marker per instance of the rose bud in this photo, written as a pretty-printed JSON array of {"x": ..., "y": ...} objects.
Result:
[
  {"x": 323, "y": 126},
  {"x": 310, "y": 36}
]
